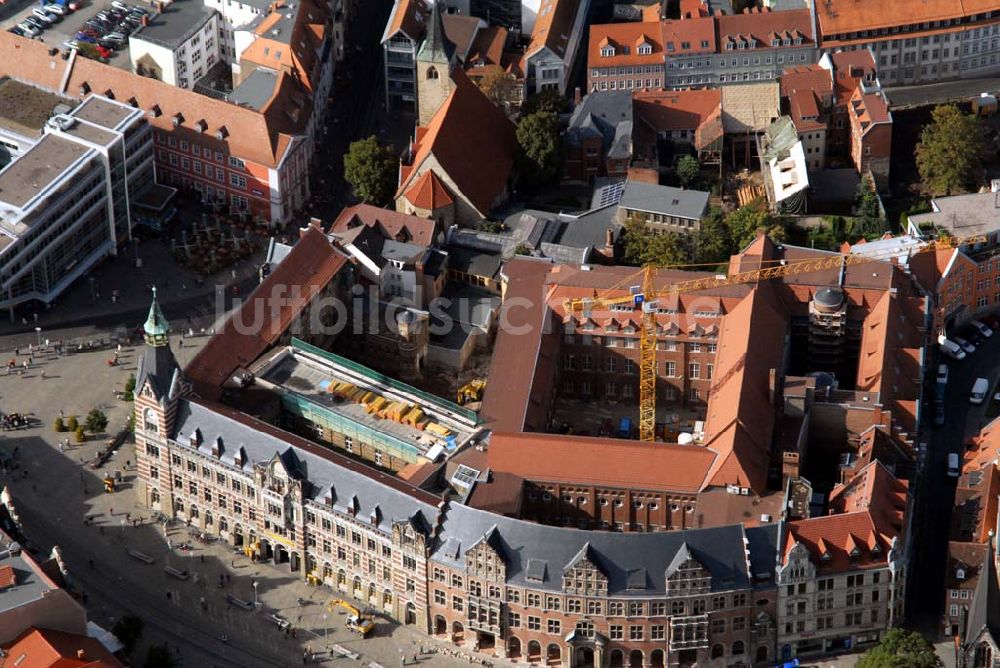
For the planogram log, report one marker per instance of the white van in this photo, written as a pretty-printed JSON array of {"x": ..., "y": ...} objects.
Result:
[
  {"x": 953, "y": 468},
  {"x": 952, "y": 349},
  {"x": 979, "y": 390}
]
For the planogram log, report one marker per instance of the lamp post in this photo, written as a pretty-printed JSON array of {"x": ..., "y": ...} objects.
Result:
[
  {"x": 254, "y": 585},
  {"x": 326, "y": 626},
  {"x": 38, "y": 334}
]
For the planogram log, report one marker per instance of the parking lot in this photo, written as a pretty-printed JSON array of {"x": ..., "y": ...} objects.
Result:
[{"x": 66, "y": 27}]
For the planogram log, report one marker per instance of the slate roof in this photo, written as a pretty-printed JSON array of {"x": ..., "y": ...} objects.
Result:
[
  {"x": 639, "y": 196},
  {"x": 606, "y": 115},
  {"x": 396, "y": 225},
  {"x": 984, "y": 613},
  {"x": 175, "y": 24}
]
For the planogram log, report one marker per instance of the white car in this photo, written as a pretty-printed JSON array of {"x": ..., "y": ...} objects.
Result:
[
  {"x": 29, "y": 29},
  {"x": 58, "y": 10},
  {"x": 982, "y": 328},
  {"x": 117, "y": 4},
  {"x": 965, "y": 345},
  {"x": 951, "y": 349},
  {"x": 44, "y": 15}
]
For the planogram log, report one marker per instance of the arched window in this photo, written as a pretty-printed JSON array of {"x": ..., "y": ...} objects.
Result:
[
  {"x": 432, "y": 72},
  {"x": 738, "y": 648},
  {"x": 154, "y": 496},
  {"x": 149, "y": 421}
]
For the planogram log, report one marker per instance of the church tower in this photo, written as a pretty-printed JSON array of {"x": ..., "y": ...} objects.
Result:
[
  {"x": 435, "y": 61},
  {"x": 158, "y": 379}
]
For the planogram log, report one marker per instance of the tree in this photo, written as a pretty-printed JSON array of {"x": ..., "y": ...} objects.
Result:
[
  {"x": 549, "y": 100},
  {"x": 159, "y": 656},
  {"x": 687, "y": 170},
  {"x": 79, "y": 434},
  {"x": 900, "y": 649},
  {"x": 370, "y": 168},
  {"x": 713, "y": 243},
  {"x": 538, "y": 152},
  {"x": 127, "y": 630},
  {"x": 499, "y": 86},
  {"x": 522, "y": 249},
  {"x": 71, "y": 423},
  {"x": 746, "y": 220},
  {"x": 643, "y": 247},
  {"x": 97, "y": 421},
  {"x": 59, "y": 425},
  {"x": 869, "y": 222},
  {"x": 949, "y": 155},
  {"x": 130, "y": 387}
]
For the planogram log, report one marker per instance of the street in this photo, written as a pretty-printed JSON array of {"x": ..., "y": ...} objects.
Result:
[
  {"x": 935, "y": 493},
  {"x": 55, "y": 488}
]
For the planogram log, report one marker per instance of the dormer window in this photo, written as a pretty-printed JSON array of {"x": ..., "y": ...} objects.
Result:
[
  {"x": 960, "y": 574},
  {"x": 644, "y": 50},
  {"x": 825, "y": 556},
  {"x": 786, "y": 41},
  {"x": 729, "y": 46},
  {"x": 798, "y": 41},
  {"x": 776, "y": 42},
  {"x": 855, "y": 553},
  {"x": 607, "y": 51}
]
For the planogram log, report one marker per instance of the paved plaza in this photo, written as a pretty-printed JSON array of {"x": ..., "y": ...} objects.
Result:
[{"x": 55, "y": 488}]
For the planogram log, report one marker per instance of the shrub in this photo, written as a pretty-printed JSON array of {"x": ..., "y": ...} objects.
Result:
[
  {"x": 80, "y": 434},
  {"x": 97, "y": 421},
  {"x": 71, "y": 423},
  {"x": 58, "y": 425}
]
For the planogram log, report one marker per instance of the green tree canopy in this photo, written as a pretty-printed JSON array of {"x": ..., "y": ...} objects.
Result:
[
  {"x": 746, "y": 220},
  {"x": 713, "y": 243},
  {"x": 949, "y": 155},
  {"x": 159, "y": 656},
  {"x": 371, "y": 170},
  {"x": 97, "y": 421},
  {"x": 128, "y": 629},
  {"x": 550, "y": 100},
  {"x": 869, "y": 222},
  {"x": 642, "y": 247},
  {"x": 538, "y": 144},
  {"x": 900, "y": 649},
  {"x": 687, "y": 170}
]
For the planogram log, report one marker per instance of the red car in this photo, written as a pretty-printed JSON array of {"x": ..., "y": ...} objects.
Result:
[{"x": 101, "y": 51}]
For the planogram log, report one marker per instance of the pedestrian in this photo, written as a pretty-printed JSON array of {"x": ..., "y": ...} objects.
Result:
[
  {"x": 111, "y": 511},
  {"x": 43, "y": 373},
  {"x": 128, "y": 517},
  {"x": 61, "y": 414},
  {"x": 234, "y": 563}
]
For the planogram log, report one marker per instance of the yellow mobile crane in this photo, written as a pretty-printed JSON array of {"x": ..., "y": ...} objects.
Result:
[
  {"x": 357, "y": 622},
  {"x": 644, "y": 296}
]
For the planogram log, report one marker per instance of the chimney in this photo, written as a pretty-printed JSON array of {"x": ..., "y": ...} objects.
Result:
[{"x": 577, "y": 96}]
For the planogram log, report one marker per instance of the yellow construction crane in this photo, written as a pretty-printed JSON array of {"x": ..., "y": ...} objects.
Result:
[
  {"x": 643, "y": 296},
  {"x": 357, "y": 622}
]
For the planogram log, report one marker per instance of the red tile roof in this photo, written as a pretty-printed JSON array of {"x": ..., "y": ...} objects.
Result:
[
  {"x": 688, "y": 36},
  {"x": 427, "y": 192},
  {"x": 299, "y": 56},
  {"x": 47, "y": 648},
  {"x": 867, "y": 109},
  {"x": 697, "y": 110},
  {"x": 260, "y": 136},
  {"x": 625, "y": 38},
  {"x": 467, "y": 130},
  {"x": 520, "y": 378},
  {"x": 487, "y": 48},
  {"x": 765, "y": 26},
  {"x": 553, "y": 25},
  {"x": 396, "y": 225},
  {"x": 600, "y": 461},
  {"x": 408, "y": 16},
  {"x": 844, "y": 16},
  {"x": 7, "y": 577},
  {"x": 305, "y": 271},
  {"x": 869, "y": 513}
]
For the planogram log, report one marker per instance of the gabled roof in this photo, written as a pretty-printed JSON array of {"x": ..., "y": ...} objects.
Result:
[
  {"x": 396, "y": 225},
  {"x": 436, "y": 47},
  {"x": 698, "y": 110},
  {"x": 290, "y": 39},
  {"x": 764, "y": 25},
  {"x": 48, "y": 648},
  {"x": 625, "y": 38},
  {"x": 847, "y": 16},
  {"x": 427, "y": 192},
  {"x": 408, "y": 17},
  {"x": 688, "y": 36},
  {"x": 308, "y": 268},
  {"x": 257, "y": 136},
  {"x": 984, "y": 612},
  {"x": 600, "y": 461},
  {"x": 468, "y": 129},
  {"x": 553, "y": 25}
]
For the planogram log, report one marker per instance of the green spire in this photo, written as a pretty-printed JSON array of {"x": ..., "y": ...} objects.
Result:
[
  {"x": 156, "y": 325},
  {"x": 436, "y": 47}
]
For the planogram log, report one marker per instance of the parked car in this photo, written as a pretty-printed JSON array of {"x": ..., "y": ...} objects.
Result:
[
  {"x": 942, "y": 374},
  {"x": 37, "y": 22},
  {"x": 981, "y": 327},
  {"x": 963, "y": 344},
  {"x": 992, "y": 320},
  {"x": 109, "y": 45},
  {"x": 279, "y": 621},
  {"x": 954, "y": 467},
  {"x": 29, "y": 29},
  {"x": 84, "y": 37},
  {"x": 971, "y": 334},
  {"x": 98, "y": 24},
  {"x": 979, "y": 390},
  {"x": 17, "y": 31},
  {"x": 951, "y": 349},
  {"x": 56, "y": 9},
  {"x": 118, "y": 4},
  {"x": 40, "y": 13},
  {"x": 117, "y": 37},
  {"x": 92, "y": 33},
  {"x": 938, "y": 412},
  {"x": 137, "y": 11}
]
